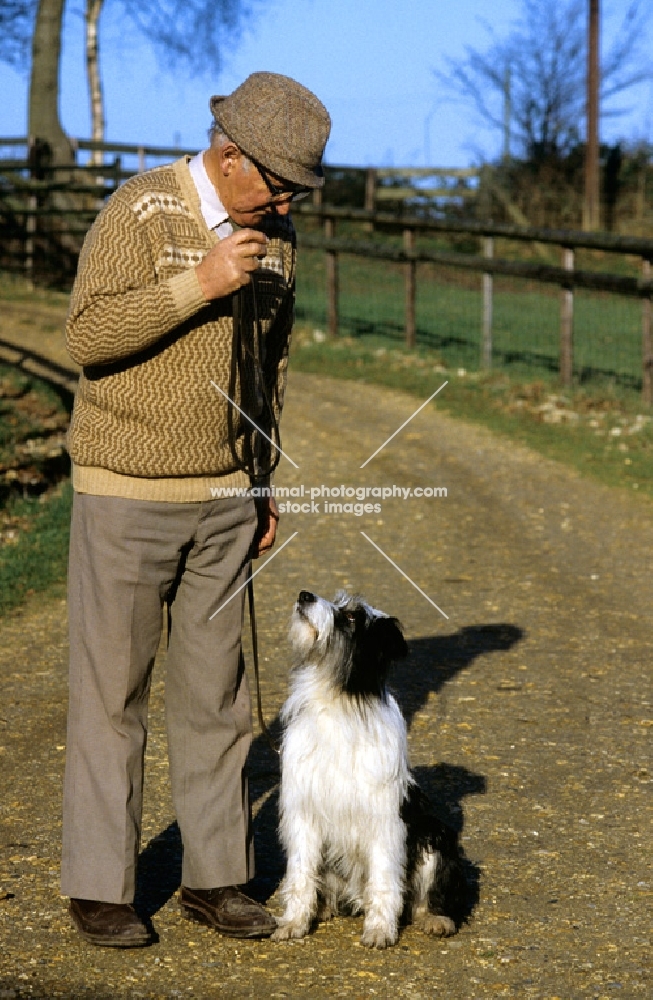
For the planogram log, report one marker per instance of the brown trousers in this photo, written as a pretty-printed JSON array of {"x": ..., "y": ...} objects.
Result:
[{"x": 126, "y": 558}]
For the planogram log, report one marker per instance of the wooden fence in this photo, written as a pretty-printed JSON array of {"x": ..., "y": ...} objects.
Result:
[
  {"x": 67, "y": 198},
  {"x": 417, "y": 186},
  {"x": 567, "y": 277}
]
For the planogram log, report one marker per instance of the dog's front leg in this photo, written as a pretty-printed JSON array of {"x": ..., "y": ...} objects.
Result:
[
  {"x": 384, "y": 892},
  {"x": 303, "y": 845}
]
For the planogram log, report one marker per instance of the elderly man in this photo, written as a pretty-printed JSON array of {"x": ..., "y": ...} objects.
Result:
[{"x": 186, "y": 279}]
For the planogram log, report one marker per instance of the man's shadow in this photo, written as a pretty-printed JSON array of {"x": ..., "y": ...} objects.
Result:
[{"x": 432, "y": 661}]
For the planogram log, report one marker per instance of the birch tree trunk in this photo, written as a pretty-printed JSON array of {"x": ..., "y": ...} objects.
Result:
[{"x": 92, "y": 17}]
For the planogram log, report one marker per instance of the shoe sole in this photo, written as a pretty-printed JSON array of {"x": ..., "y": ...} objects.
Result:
[{"x": 200, "y": 917}]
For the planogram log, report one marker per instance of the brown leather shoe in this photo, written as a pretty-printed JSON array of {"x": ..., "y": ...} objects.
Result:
[
  {"x": 115, "y": 925},
  {"x": 228, "y": 911}
]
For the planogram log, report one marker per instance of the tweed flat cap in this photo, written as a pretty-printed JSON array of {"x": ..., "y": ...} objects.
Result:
[{"x": 278, "y": 123}]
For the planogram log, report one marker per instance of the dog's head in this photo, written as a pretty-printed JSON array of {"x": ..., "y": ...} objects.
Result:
[{"x": 350, "y": 642}]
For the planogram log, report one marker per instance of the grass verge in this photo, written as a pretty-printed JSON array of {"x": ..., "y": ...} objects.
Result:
[
  {"x": 601, "y": 431},
  {"x": 35, "y": 495},
  {"x": 36, "y": 562}
]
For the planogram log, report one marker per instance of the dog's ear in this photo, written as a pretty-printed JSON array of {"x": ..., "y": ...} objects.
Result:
[{"x": 390, "y": 638}]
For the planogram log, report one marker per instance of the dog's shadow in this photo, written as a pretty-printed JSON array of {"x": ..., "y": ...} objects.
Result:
[{"x": 432, "y": 661}]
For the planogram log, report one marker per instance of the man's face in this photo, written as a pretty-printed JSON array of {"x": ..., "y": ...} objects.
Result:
[{"x": 242, "y": 188}]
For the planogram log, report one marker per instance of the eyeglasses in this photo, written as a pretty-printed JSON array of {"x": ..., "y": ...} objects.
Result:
[{"x": 295, "y": 191}]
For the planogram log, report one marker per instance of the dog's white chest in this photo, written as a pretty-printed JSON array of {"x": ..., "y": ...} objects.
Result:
[{"x": 342, "y": 762}]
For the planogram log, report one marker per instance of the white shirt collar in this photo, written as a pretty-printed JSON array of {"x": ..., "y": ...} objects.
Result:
[{"x": 213, "y": 211}]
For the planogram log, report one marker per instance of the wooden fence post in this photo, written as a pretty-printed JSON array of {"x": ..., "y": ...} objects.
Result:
[
  {"x": 486, "y": 345},
  {"x": 332, "y": 280},
  {"x": 567, "y": 322},
  {"x": 370, "y": 189},
  {"x": 141, "y": 160},
  {"x": 30, "y": 217},
  {"x": 30, "y": 230},
  {"x": 410, "y": 283},
  {"x": 647, "y": 340},
  {"x": 117, "y": 167}
]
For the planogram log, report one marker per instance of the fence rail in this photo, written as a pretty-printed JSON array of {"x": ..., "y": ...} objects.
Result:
[
  {"x": 566, "y": 276},
  {"x": 46, "y": 209},
  {"x": 381, "y": 184}
]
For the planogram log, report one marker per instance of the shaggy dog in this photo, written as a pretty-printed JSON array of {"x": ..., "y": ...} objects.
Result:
[{"x": 355, "y": 827}]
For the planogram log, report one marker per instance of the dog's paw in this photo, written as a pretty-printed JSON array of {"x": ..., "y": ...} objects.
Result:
[
  {"x": 435, "y": 924},
  {"x": 290, "y": 930},
  {"x": 378, "y": 937}
]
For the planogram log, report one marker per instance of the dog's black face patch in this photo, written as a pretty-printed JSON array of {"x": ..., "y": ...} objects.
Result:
[
  {"x": 374, "y": 643},
  {"x": 351, "y": 643}
]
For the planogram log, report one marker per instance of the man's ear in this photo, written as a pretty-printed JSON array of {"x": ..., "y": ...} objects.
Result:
[{"x": 230, "y": 155}]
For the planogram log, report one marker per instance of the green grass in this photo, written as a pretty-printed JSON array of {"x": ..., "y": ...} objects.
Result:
[
  {"x": 36, "y": 562},
  {"x": 34, "y": 531},
  {"x": 605, "y": 440},
  {"x": 607, "y": 328},
  {"x": 14, "y": 288},
  {"x": 25, "y": 401}
]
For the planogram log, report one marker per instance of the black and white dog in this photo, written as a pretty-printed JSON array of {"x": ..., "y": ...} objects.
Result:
[{"x": 355, "y": 827}]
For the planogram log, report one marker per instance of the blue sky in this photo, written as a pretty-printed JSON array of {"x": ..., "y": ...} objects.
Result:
[{"x": 370, "y": 61}]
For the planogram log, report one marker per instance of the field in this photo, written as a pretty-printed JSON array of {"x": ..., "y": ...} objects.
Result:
[{"x": 607, "y": 328}]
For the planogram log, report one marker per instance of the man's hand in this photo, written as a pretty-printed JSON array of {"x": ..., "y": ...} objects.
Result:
[
  {"x": 268, "y": 516},
  {"x": 228, "y": 265}
]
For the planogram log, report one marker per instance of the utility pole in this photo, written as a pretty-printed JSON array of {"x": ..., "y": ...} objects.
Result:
[{"x": 591, "y": 212}]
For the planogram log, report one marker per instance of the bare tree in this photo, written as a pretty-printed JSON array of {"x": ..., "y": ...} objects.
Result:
[
  {"x": 30, "y": 30},
  {"x": 192, "y": 32},
  {"x": 188, "y": 32},
  {"x": 43, "y": 117},
  {"x": 544, "y": 58},
  {"x": 16, "y": 26},
  {"x": 96, "y": 97}
]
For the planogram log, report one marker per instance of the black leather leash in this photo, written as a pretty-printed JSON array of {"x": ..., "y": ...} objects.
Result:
[
  {"x": 252, "y": 620},
  {"x": 248, "y": 348}
]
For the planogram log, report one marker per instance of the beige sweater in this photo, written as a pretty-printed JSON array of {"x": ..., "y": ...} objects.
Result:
[{"x": 147, "y": 423}]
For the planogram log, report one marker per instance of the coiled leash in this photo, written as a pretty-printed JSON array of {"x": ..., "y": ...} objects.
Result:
[{"x": 246, "y": 348}]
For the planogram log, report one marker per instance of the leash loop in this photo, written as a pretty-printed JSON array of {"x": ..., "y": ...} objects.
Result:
[{"x": 259, "y": 706}]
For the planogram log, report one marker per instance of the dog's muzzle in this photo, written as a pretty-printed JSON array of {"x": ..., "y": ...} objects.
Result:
[{"x": 304, "y": 601}]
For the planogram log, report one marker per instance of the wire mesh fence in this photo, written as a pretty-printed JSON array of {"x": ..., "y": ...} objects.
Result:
[
  {"x": 526, "y": 318},
  {"x": 455, "y": 307}
]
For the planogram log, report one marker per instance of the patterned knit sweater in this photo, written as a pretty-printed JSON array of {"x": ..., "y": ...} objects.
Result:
[{"x": 147, "y": 423}]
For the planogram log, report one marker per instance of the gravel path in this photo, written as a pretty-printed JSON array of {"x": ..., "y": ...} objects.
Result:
[{"x": 529, "y": 713}]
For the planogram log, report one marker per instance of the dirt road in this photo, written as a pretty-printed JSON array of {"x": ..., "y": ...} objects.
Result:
[{"x": 529, "y": 709}]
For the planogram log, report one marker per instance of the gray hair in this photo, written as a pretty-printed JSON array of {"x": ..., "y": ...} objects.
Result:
[{"x": 220, "y": 138}]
